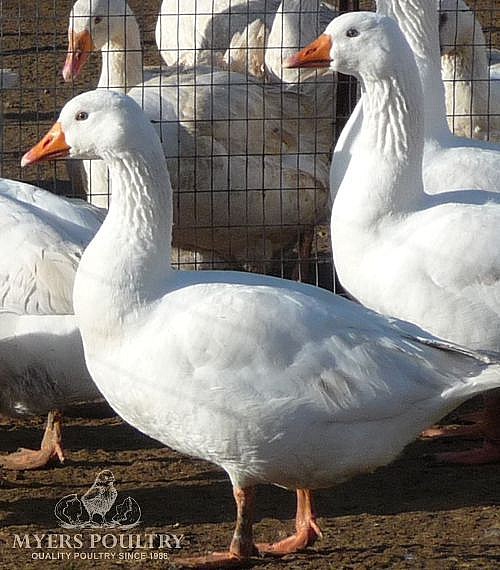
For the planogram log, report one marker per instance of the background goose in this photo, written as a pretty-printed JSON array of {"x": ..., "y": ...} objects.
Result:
[
  {"x": 259, "y": 185},
  {"x": 472, "y": 92},
  {"x": 297, "y": 23},
  {"x": 450, "y": 162},
  {"x": 200, "y": 31},
  {"x": 264, "y": 44},
  {"x": 399, "y": 250},
  {"x": 111, "y": 28},
  {"x": 273, "y": 380},
  {"x": 42, "y": 367}
]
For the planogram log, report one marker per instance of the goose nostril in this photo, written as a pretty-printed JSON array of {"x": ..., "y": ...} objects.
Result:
[{"x": 47, "y": 142}]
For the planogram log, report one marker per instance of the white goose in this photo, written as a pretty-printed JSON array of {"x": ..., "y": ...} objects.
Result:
[
  {"x": 472, "y": 93},
  {"x": 296, "y": 24},
  {"x": 257, "y": 159},
  {"x": 450, "y": 162},
  {"x": 261, "y": 47},
  {"x": 429, "y": 259},
  {"x": 111, "y": 27},
  {"x": 42, "y": 367},
  {"x": 275, "y": 381},
  {"x": 200, "y": 31}
]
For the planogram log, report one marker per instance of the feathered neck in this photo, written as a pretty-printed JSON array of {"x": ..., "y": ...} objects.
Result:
[
  {"x": 127, "y": 264},
  {"x": 418, "y": 20},
  {"x": 384, "y": 177},
  {"x": 142, "y": 203},
  {"x": 122, "y": 58}
]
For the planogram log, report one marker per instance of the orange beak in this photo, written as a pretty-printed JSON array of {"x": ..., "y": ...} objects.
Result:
[
  {"x": 316, "y": 54},
  {"x": 79, "y": 47},
  {"x": 53, "y": 145}
]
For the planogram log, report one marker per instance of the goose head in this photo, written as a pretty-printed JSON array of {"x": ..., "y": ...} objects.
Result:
[
  {"x": 92, "y": 25},
  {"x": 457, "y": 26},
  {"x": 363, "y": 44},
  {"x": 96, "y": 124}
]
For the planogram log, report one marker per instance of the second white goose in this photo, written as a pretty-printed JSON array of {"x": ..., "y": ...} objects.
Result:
[{"x": 429, "y": 259}]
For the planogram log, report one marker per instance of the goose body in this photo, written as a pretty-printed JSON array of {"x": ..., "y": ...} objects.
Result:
[
  {"x": 42, "y": 366},
  {"x": 450, "y": 162},
  {"x": 200, "y": 31},
  {"x": 257, "y": 157},
  {"x": 257, "y": 180},
  {"x": 44, "y": 236},
  {"x": 397, "y": 249},
  {"x": 275, "y": 381},
  {"x": 472, "y": 87}
]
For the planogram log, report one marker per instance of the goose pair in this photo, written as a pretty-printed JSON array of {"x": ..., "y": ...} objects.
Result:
[
  {"x": 472, "y": 88},
  {"x": 42, "y": 366},
  {"x": 275, "y": 381},
  {"x": 431, "y": 259},
  {"x": 247, "y": 184}
]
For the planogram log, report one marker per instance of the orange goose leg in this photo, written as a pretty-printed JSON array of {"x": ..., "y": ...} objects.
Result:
[
  {"x": 242, "y": 546},
  {"x": 489, "y": 428},
  {"x": 306, "y": 528},
  {"x": 50, "y": 448}
]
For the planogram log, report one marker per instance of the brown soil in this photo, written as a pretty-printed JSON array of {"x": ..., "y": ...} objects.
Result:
[{"x": 412, "y": 514}]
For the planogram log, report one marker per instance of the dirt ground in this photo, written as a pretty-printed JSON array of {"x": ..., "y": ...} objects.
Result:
[{"x": 412, "y": 514}]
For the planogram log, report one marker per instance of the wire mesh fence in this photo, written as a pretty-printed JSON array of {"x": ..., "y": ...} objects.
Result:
[{"x": 248, "y": 142}]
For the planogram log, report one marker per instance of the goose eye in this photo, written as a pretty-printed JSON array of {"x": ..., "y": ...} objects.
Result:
[
  {"x": 97, "y": 19},
  {"x": 82, "y": 116},
  {"x": 352, "y": 33}
]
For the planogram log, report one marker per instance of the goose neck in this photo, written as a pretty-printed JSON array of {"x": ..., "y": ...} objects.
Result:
[
  {"x": 122, "y": 59},
  {"x": 141, "y": 208},
  {"x": 393, "y": 119},
  {"x": 385, "y": 176},
  {"x": 127, "y": 264},
  {"x": 465, "y": 74},
  {"x": 419, "y": 22}
]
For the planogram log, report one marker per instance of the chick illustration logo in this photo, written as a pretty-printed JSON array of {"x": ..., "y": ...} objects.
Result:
[{"x": 96, "y": 508}]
